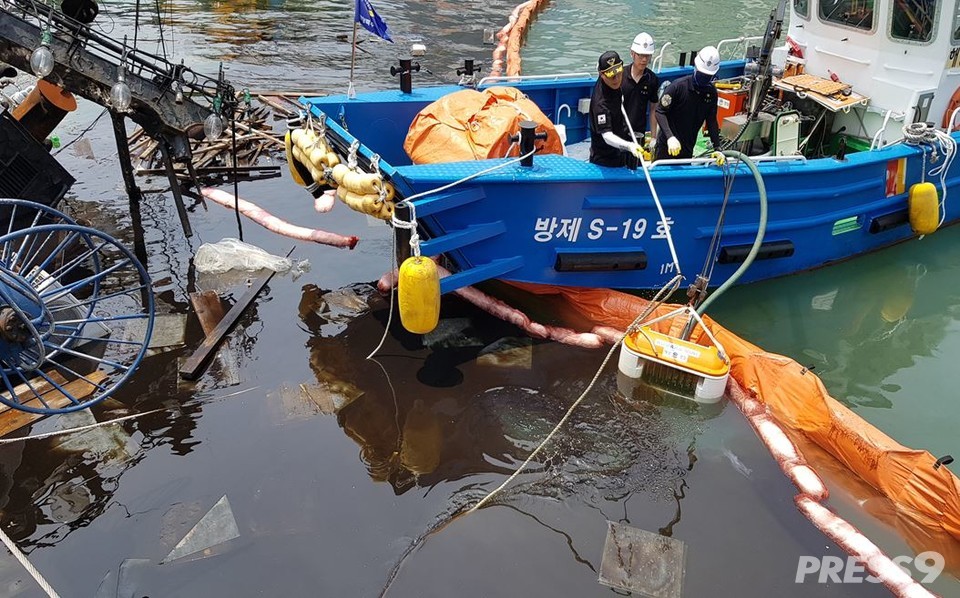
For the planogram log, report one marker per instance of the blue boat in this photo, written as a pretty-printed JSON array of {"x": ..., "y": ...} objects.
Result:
[{"x": 839, "y": 167}]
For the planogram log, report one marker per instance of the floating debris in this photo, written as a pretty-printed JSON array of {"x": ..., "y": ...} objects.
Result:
[
  {"x": 308, "y": 400},
  {"x": 451, "y": 333},
  {"x": 509, "y": 352},
  {"x": 213, "y": 158},
  {"x": 168, "y": 332},
  {"x": 642, "y": 562},
  {"x": 216, "y": 527},
  {"x": 131, "y": 577}
]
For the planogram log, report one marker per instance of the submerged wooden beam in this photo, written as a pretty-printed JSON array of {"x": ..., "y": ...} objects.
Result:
[{"x": 195, "y": 365}]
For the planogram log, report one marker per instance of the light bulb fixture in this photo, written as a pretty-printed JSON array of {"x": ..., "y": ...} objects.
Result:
[
  {"x": 213, "y": 124},
  {"x": 41, "y": 60},
  {"x": 177, "y": 92},
  {"x": 120, "y": 95}
]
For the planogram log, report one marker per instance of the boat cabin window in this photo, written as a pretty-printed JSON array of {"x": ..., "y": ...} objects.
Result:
[
  {"x": 913, "y": 20},
  {"x": 802, "y": 8},
  {"x": 851, "y": 13},
  {"x": 955, "y": 38}
]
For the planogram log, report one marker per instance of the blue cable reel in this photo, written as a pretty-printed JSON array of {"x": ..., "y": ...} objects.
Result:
[{"x": 75, "y": 306}]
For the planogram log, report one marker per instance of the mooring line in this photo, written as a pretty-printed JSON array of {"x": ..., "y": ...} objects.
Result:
[
  {"x": 659, "y": 298},
  {"x": 22, "y": 559}
]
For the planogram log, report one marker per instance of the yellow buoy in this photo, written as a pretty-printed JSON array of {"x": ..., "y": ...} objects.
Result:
[
  {"x": 924, "y": 208},
  {"x": 300, "y": 173},
  {"x": 418, "y": 292}
]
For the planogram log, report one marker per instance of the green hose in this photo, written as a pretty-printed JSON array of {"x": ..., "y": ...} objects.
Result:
[{"x": 761, "y": 230}]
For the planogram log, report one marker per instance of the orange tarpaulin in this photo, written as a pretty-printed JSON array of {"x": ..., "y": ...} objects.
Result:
[
  {"x": 472, "y": 125},
  {"x": 798, "y": 400}
]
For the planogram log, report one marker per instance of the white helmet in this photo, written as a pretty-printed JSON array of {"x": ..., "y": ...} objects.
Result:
[
  {"x": 708, "y": 61},
  {"x": 643, "y": 44}
]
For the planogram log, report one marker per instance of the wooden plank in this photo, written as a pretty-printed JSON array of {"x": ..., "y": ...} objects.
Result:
[
  {"x": 275, "y": 105},
  {"x": 14, "y": 419},
  {"x": 209, "y": 309},
  {"x": 194, "y": 366}
]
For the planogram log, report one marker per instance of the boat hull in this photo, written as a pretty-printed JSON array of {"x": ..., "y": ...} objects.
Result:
[{"x": 567, "y": 222}]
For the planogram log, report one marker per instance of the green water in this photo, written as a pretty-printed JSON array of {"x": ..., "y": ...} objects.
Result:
[
  {"x": 327, "y": 505},
  {"x": 881, "y": 330},
  {"x": 569, "y": 35}
]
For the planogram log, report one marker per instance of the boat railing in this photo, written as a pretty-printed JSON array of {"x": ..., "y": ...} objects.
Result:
[
  {"x": 657, "y": 62},
  {"x": 877, "y": 142},
  {"x": 517, "y": 78},
  {"x": 742, "y": 40},
  {"x": 709, "y": 160}
]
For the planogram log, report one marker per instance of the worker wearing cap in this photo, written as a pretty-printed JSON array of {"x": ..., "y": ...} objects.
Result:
[
  {"x": 684, "y": 106},
  {"x": 640, "y": 86},
  {"x": 609, "y": 135}
]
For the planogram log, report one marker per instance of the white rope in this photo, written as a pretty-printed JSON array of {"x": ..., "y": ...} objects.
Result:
[
  {"x": 22, "y": 559},
  {"x": 653, "y": 192},
  {"x": 921, "y": 133},
  {"x": 411, "y": 225},
  {"x": 77, "y": 429},
  {"x": 660, "y": 296}
]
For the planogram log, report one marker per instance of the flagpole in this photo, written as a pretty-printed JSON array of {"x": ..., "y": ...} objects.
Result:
[{"x": 351, "y": 92}]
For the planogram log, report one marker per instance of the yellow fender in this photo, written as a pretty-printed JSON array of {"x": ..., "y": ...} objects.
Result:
[
  {"x": 315, "y": 173},
  {"x": 357, "y": 182},
  {"x": 369, "y": 203},
  {"x": 924, "y": 208},
  {"x": 418, "y": 294},
  {"x": 298, "y": 171}
]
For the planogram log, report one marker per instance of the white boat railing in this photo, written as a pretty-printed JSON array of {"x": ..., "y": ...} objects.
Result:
[
  {"x": 737, "y": 40},
  {"x": 877, "y": 142},
  {"x": 518, "y": 78},
  {"x": 709, "y": 160},
  {"x": 657, "y": 62}
]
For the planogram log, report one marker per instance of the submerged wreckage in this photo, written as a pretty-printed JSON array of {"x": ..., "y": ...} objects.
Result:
[{"x": 76, "y": 307}]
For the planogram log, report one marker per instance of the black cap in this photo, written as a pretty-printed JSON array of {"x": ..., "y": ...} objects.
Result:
[{"x": 607, "y": 60}]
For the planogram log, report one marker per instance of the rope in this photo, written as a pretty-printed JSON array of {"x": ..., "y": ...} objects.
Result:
[
  {"x": 22, "y": 559},
  {"x": 922, "y": 134},
  {"x": 653, "y": 192},
  {"x": 412, "y": 226},
  {"x": 79, "y": 428},
  {"x": 673, "y": 285}
]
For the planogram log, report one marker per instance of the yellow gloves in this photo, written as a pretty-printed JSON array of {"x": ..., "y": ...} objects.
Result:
[
  {"x": 718, "y": 158},
  {"x": 640, "y": 152},
  {"x": 673, "y": 146}
]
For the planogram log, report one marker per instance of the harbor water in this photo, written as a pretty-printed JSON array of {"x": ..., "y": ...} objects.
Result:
[{"x": 333, "y": 475}]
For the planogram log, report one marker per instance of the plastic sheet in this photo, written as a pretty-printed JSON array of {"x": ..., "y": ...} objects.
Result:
[{"x": 234, "y": 254}]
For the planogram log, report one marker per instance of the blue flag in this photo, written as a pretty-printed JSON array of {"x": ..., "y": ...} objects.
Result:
[{"x": 371, "y": 21}]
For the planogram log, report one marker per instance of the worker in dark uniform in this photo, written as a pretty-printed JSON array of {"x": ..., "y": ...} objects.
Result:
[
  {"x": 609, "y": 136},
  {"x": 684, "y": 106},
  {"x": 640, "y": 86}
]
